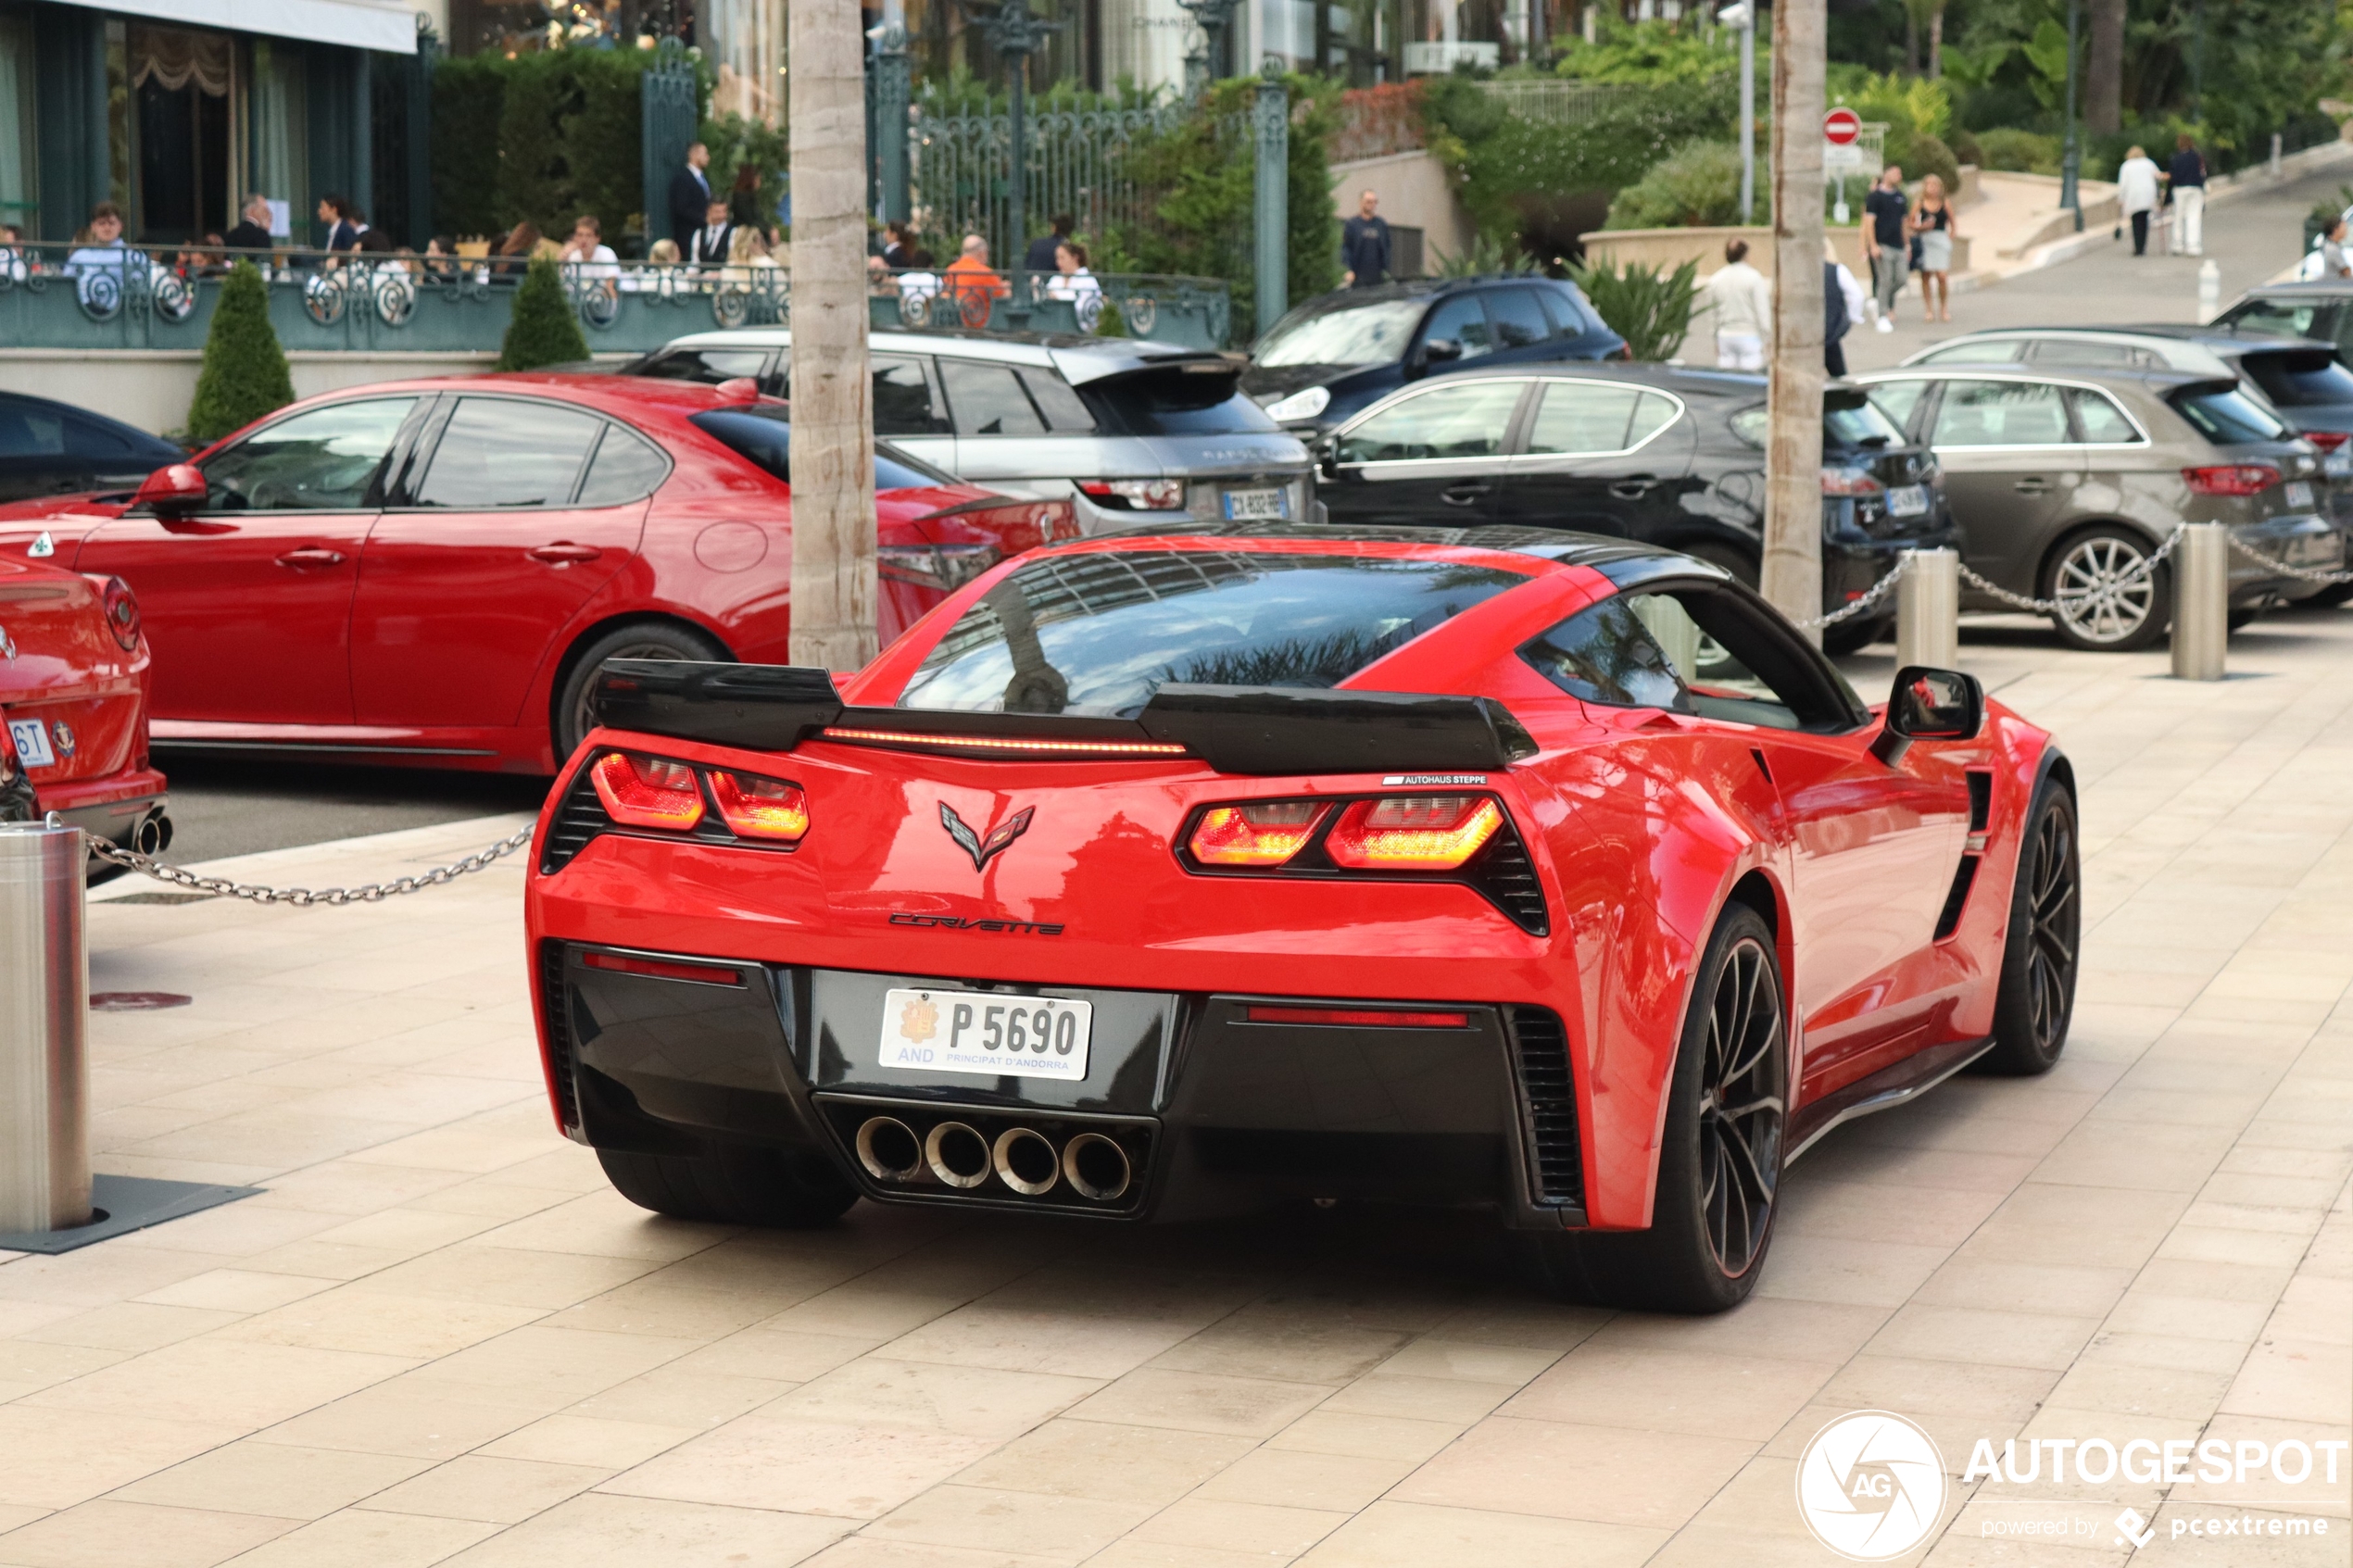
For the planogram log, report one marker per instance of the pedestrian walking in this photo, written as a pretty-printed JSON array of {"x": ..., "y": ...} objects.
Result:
[
  {"x": 1363, "y": 244},
  {"x": 2334, "y": 263},
  {"x": 2186, "y": 179},
  {"x": 1932, "y": 224},
  {"x": 1841, "y": 307},
  {"x": 2136, "y": 192},
  {"x": 690, "y": 195},
  {"x": 1742, "y": 302},
  {"x": 1885, "y": 243},
  {"x": 1041, "y": 249}
]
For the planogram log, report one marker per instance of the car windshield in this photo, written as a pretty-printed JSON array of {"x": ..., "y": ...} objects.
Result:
[
  {"x": 1098, "y": 632},
  {"x": 2302, "y": 379},
  {"x": 2226, "y": 415},
  {"x": 2289, "y": 318},
  {"x": 1375, "y": 332},
  {"x": 1197, "y": 398},
  {"x": 764, "y": 436}
]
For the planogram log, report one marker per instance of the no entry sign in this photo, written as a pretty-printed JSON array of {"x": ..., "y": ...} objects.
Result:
[{"x": 1840, "y": 127}]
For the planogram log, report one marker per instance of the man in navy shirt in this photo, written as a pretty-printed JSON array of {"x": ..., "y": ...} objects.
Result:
[
  {"x": 2187, "y": 180},
  {"x": 1887, "y": 245},
  {"x": 1363, "y": 244}
]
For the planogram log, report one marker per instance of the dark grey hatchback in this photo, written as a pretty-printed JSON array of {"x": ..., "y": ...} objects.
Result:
[{"x": 1340, "y": 353}]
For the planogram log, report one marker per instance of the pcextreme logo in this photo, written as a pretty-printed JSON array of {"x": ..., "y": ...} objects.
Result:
[{"x": 1871, "y": 1486}]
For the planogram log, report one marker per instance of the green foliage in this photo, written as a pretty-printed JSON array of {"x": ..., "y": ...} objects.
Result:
[
  {"x": 244, "y": 371},
  {"x": 1696, "y": 186},
  {"x": 1656, "y": 54},
  {"x": 1649, "y": 307},
  {"x": 1112, "y": 324},
  {"x": 544, "y": 331},
  {"x": 1484, "y": 258},
  {"x": 1928, "y": 156},
  {"x": 1918, "y": 103},
  {"x": 737, "y": 143},
  {"x": 2047, "y": 52},
  {"x": 545, "y": 136},
  {"x": 1544, "y": 183},
  {"x": 1206, "y": 170},
  {"x": 2021, "y": 152}
]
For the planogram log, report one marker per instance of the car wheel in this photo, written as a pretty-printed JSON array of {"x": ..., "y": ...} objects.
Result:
[
  {"x": 2106, "y": 602},
  {"x": 1853, "y": 636},
  {"x": 655, "y": 640},
  {"x": 1719, "y": 1167},
  {"x": 2040, "y": 951},
  {"x": 732, "y": 1185}
]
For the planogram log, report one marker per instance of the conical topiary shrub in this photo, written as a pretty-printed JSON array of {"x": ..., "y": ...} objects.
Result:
[
  {"x": 544, "y": 330},
  {"x": 245, "y": 370}
]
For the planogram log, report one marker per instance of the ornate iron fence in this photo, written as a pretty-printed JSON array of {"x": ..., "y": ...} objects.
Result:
[{"x": 462, "y": 305}]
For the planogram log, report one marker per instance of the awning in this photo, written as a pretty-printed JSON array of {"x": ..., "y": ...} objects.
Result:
[{"x": 382, "y": 25}]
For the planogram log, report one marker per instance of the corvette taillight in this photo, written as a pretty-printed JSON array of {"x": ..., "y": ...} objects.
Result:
[
  {"x": 1417, "y": 833},
  {"x": 769, "y": 810},
  {"x": 646, "y": 792},
  {"x": 1265, "y": 834}
]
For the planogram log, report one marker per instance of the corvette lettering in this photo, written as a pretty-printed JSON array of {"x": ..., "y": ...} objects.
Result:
[{"x": 961, "y": 923}]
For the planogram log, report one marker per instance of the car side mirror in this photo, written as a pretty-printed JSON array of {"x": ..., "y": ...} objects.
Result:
[
  {"x": 1930, "y": 703},
  {"x": 1328, "y": 457},
  {"x": 1441, "y": 350},
  {"x": 171, "y": 491}
]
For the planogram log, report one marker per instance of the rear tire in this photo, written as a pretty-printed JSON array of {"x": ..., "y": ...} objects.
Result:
[
  {"x": 652, "y": 639},
  {"x": 1720, "y": 1165},
  {"x": 2041, "y": 950},
  {"x": 732, "y": 1185},
  {"x": 2096, "y": 615}
]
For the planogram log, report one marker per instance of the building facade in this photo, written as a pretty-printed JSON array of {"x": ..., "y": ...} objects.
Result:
[{"x": 175, "y": 110}]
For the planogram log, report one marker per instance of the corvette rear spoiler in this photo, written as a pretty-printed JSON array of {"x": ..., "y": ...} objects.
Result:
[{"x": 1269, "y": 730}]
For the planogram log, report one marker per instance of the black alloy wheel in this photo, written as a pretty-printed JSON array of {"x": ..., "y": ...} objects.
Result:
[
  {"x": 1719, "y": 1163},
  {"x": 2044, "y": 948},
  {"x": 1744, "y": 1105}
]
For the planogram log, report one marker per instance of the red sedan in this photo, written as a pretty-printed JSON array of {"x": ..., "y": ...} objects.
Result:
[
  {"x": 433, "y": 571},
  {"x": 73, "y": 707},
  {"x": 1155, "y": 876}
]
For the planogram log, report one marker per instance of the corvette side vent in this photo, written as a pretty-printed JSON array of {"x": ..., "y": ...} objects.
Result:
[
  {"x": 581, "y": 818},
  {"x": 1957, "y": 896},
  {"x": 557, "y": 1002},
  {"x": 1548, "y": 1108}
]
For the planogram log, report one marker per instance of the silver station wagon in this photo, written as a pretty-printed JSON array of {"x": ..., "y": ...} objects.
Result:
[{"x": 1128, "y": 430}]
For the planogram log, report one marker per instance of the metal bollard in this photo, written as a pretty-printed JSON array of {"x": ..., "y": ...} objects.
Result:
[
  {"x": 2201, "y": 602},
  {"x": 1928, "y": 610},
  {"x": 45, "y": 1002},
  {"x": 2210, "y": 291}
]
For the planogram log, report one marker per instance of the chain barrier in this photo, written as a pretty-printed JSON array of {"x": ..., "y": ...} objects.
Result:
[
  {"x": 1870, "y": 596},
  {"x": 2307, "y": 573},
  {"x": 372, "y": 893},
  {"x": 2124, "y": 580}
]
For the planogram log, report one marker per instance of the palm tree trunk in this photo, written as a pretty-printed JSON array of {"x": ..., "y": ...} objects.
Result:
[
  {"x": 833, "y": 436},
  {"x": 1792, "y": 567},
  {"x": 1936, "y": 41},
  {"x": 2104, "y": 68}
]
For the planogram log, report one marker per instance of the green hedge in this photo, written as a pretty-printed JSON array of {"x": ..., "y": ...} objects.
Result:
[
  {"x": 244, "y": 373},
  {"x": 543, "y": 136}
]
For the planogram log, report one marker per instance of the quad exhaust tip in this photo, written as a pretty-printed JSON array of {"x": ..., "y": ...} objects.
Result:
[{"x": 957, "y": 1155}]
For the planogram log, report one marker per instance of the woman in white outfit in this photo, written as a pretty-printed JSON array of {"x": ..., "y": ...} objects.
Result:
[
  {"x": 1743, "y": 303},
  {"x": 1932, "y": 223},
  {"x": 1073, "y": 283}
]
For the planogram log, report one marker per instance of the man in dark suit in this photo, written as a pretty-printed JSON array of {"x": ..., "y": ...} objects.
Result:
[
  {"x": 252, "y": 232},
  {"x": 689, "y": 195},
  {"x": 1363, "y": 245},
  {"x": 708, "y": 243},
  {"x": 1041, "y": 249}
]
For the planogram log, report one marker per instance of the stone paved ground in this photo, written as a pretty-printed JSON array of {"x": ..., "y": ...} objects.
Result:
[{"x": 438, "y": 1338}]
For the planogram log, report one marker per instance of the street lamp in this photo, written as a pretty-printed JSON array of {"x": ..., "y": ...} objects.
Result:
[
  {"x": 1212, "y": 17},
  {"x": 1742, "y": 15},
  {"x": 2072, "y": 158},
  {"x": 1015, "y": 33}
]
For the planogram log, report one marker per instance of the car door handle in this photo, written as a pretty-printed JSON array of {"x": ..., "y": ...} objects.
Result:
[
  {"x": 1464, "y": 492},
  {"x": 562, "y": 552},
  {"x": 312, "y": 555},
  {"x": 2033, "y": 484},
  {"x": 1632, "y": 489}
]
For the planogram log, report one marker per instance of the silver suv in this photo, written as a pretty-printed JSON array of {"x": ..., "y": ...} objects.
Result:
[{"x": 1125, "y": 428}]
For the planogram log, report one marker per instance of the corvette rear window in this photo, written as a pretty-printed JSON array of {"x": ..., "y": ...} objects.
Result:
[{"x": 1097, "y": 633}]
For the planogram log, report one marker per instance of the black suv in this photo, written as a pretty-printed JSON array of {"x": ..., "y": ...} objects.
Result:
[
  {"x": 1649, "y": 452},
  {"x": 1340, "y": 353}
]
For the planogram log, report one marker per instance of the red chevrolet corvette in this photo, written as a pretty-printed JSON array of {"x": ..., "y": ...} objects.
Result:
[
  {"x": 1157, "y": 876},
  {"x": 73, "y": 707},
  {"x": 433, "y": 571}
]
